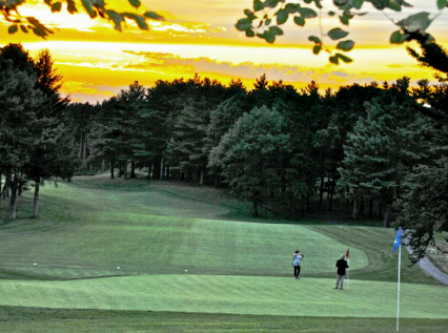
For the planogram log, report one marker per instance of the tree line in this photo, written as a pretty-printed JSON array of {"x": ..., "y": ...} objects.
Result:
[
  {"x": 377, "y": 150},
  {"x": 35, "y": 138}
]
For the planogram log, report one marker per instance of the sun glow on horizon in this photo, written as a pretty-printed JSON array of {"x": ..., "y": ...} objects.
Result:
[{"x": 96, "y": 61}]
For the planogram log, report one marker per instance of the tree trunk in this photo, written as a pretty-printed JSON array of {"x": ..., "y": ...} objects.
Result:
[
  {"x": 283, "y": 198},
  {"x": 162, "y": 168},
  {"x": 347, "y": 201},
  {"x": 386, "y": 217},
  {"x": 361, "y": 208},
  {"x": 330, "y": 205},
  {"x": 132, "y": 169},
  {"x": 156, "y": 169},
  {"x": 125, "y": 169},
  {"x": 36, "y": 199},
  {"x": 112, "y": 170},
  {"x": 380, "y": 209},
  {"x": 201, "y": 176},
  {"x": 80, "y": 147},
  {"x": 167, "y": 172},
  {"x": 6, "y": 186},
  {"x": 355, "y": 209},
  {"x": 149, "y": 171},
  {"x": 303, "y": 205},
  {"x": 13, "y": 202},
  {"x": 84, "y": 151},
  {"x": 371, "y": 207},
  {"x": 255, "y": 211},
  {"x": 321, "y": 195}
]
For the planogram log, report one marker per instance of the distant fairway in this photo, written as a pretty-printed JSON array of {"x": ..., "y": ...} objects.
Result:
[{"x": 176, "y": 252}]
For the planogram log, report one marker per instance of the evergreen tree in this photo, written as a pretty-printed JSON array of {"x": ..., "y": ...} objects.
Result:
[
  {"x": 381, "y": 151},
  {"x": 250, "y": 154},
  {"x": 19, "y": 102}
]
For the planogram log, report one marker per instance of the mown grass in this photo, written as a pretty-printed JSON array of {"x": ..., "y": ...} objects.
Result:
[
  {"x": 155, "y": 231},
  {"x": 37, "y": 320}
]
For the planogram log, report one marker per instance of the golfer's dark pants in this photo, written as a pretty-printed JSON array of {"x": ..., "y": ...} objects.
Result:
[{"x": 296, "y": 271}]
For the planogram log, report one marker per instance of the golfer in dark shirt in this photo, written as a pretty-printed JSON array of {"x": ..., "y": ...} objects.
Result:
[{"x": 341, "y": 264}]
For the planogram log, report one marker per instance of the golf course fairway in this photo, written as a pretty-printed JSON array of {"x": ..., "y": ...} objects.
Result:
[{"x": 106, "y": 248}]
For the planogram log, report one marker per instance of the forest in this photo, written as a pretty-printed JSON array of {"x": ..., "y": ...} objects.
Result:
[{"x": 377, "y": 150}]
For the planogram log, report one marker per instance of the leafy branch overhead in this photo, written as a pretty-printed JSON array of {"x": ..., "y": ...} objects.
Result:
[
  {"x": 94, "y": 8},
  {"x": 266, "y": 17}
]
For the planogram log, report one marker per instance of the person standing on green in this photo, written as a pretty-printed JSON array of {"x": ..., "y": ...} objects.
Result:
[
  {"x": 341, "y": 264},
  {"x": 296, "y": 260}
]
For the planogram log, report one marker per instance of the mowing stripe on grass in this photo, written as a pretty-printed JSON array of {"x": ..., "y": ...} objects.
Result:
[{"x": 230, "y": 294}]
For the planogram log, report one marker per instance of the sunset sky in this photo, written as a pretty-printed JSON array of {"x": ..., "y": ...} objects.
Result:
[{"x": 199, "y": 36}]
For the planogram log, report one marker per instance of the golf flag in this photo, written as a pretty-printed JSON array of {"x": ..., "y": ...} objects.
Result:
[
  {"x": 348, "y": 254},
  {"x": 397, "y": 245},
  {"x": 397, "y": 241}
]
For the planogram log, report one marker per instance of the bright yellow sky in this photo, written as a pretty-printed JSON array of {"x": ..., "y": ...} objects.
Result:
[{"x": 199, "y": 37}]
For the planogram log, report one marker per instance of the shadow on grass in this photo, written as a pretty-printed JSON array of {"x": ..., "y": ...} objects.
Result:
[{"x": 27, "y": 319}]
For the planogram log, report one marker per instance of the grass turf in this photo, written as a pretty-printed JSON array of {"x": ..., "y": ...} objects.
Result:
[
  {"x": 90, "y": 227},
  {"x": 37, "y": 320},
  {"x": 231, "y": 295}
]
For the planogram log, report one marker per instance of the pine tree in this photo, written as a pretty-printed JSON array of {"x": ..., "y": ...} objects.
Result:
[
  {"x": 19, "y": 102},
  {"x": 250, "y": 154},
  {"x": 381, "y": 151}
]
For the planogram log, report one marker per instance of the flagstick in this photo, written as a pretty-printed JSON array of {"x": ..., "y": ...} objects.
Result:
[
  {"x": 348, "y": 273},
  {"x": 398, "y": 292}
]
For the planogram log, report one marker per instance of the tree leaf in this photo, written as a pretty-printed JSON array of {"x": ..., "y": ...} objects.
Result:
[
  {"x": 117, "y": 18},
  {"x": 258, "y": 5},
  {"x": 292, "y": 7},
  {"x": 244, "y": 24},
  {"x": 138, "y": 19},
  {"x": 441, "y": 4},
  {"x": 56, "y": 7},
  {"x": 337, "y": 33},
  {"x": 357, "y": 4},
  {"x": 318, "y": 4},
  {"x": 331, "y": 13},
  {"x": 346, "y": 45},
  {"x": 12, "y": 29},
  {"x": 269, "y": 36},
  {"x": 276, "y": 30},
  {"x": 343, "y": 57},
  {"x": 299, "y": 20},
  {"x": 88, "y": 5},
  {"x": 23, "y": 28},
  {"x": 71, "y": 7},
  {"x": 398, "y": 37},
  {"x": 250, "y": 33},
  {"x": 394, "y": 6},
  {"x": 314, "y": 39},
  {"x": 317, "y": 49},
  {"x": 135, "y": 3},
  {"x": 334, "y": 60},
  {"x": 416, "y": 23},
  {"x": 250, "y": 15},
  {"x": 282, "y": 16},
  {"x": 307, "y": 12},
  {"x": 270, "y": 3},
  {"x": 153, "y": 16},
  {"x": 340, "y": 3}
]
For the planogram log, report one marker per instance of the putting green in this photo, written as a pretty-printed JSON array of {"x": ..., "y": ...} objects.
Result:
[{"x": 231, "y": 294}]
